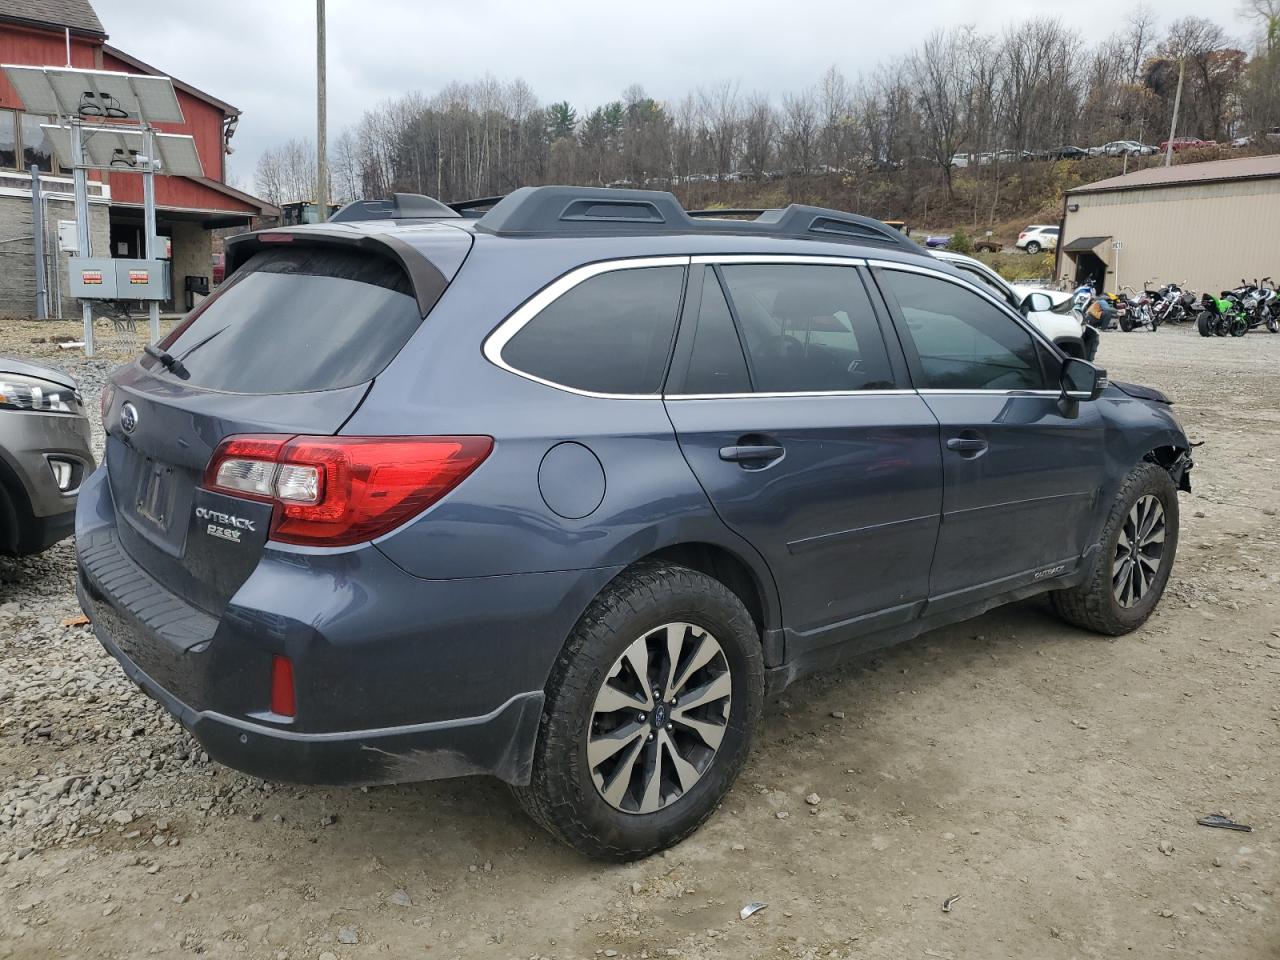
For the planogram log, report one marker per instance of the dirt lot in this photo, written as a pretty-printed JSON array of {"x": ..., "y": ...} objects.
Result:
[{"x": 1049, "y": 778}]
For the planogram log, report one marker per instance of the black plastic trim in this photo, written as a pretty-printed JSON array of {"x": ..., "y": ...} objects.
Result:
[
  {"x": 425, "y": 277},
  {"x": 597, "y": 211}
]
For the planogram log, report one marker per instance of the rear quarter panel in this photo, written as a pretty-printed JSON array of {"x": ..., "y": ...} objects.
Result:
[{"x": 498, "y": 522}]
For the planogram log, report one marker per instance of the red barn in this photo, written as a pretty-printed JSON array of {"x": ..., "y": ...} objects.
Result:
[{"x": 58, "y": 32}]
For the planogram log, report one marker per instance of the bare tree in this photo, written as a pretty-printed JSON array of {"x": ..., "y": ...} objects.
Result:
[
  {"x": 939, "y": 76},
  {"x": 722, "y": 114},
  {"x": 799, "y": 132},
  {"x": 759, "y": 126}
]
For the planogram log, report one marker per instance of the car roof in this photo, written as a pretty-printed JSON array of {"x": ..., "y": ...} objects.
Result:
[{"x": 591, "y": 224}]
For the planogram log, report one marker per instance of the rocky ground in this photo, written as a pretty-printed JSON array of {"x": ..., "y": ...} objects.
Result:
[{"x": 1049, "y": 779}]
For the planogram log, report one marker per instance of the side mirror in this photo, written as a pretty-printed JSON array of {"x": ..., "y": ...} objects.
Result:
[
  {"x": 1081, "y": 380},
  {"x": 1037, "y": 303}
]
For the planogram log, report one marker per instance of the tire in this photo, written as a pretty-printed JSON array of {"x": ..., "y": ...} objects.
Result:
[
  {"x": 1126, "y": 324},
  {"x": 1204, "y": 324},
  {"x": 1239, "y": 328},
  {"x": 564, "y": 794},
  {"x": 1032, "y": 247},
  {"x": 1094, "y": 604},
  {"x": 1272, "y": 325}
]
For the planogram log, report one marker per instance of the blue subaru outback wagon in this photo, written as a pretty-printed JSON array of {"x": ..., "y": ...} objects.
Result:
[{"x": 559, "y": 491}]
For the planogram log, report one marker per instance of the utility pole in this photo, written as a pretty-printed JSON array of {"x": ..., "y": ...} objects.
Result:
[
  {"x": 1177, "y": 105},
  {"x": 322, "y": 149},
  {"x": 37, "y": 237}
]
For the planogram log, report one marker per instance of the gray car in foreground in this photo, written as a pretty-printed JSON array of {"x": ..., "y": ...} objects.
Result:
[
  {"x": 559, "y": 493},
  {"x": 44, "y": 455}
]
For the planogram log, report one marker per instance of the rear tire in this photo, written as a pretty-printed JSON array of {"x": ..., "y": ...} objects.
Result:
[
  {"x": 1204, "y": 324},
  {"x": 1125, "y": 582},
  {"x": 604, "y": 802},
  {"x": 1033, "y": 247}
]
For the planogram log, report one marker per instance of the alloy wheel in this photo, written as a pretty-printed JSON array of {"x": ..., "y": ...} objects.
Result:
[
  {"x": 659, "y": 718},
  {"x": 1139, "y": 549}
]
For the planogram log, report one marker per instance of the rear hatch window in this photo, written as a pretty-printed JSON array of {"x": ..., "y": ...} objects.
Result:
[{"x": 296, "y": 320}]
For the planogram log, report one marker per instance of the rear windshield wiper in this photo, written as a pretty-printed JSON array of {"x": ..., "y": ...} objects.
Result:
[
  {"x": 201, "y": 343},
  {"x": 169, "y": 362}
]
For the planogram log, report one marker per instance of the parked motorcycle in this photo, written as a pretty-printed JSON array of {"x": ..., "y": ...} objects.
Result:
[
  {"x": 1222, "y": 316},
  {"x": 1260, "y": 304},
  {"x": 1172, "y": 303},
  {"x": 1138, "y": 311}
]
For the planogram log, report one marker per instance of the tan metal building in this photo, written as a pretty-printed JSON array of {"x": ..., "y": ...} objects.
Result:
[{"x": 1206, "y": 224}]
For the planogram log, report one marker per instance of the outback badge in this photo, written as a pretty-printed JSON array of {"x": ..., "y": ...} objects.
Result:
[{"x": 225, "y": 526}]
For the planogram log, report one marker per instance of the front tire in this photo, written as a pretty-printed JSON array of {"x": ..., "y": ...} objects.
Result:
[
  {"x": 1131, "y": 566},
  {"x": 650, "y": 712},
  {"x": 1033, "y": 247}
]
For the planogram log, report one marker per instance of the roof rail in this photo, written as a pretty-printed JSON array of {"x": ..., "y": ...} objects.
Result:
[
  {"x": 600, "y": 211},
  {"x": 729, "y": 212},
  {"x": 401, "y": 206},
  {"x": 468, "y": 207}
]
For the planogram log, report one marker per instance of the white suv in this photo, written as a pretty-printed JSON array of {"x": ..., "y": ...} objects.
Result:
[
  {"x": 1038, "y": 237},
  {"x": 1055, "y": 319}
]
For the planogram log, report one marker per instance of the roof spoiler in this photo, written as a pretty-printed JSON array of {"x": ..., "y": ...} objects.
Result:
[
  {"x": 596, "y": 211},
  {"x": 424, "y": 276}
]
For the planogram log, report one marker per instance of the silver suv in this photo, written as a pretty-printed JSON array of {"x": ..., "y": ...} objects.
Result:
[{"x": 44, "y": 454}]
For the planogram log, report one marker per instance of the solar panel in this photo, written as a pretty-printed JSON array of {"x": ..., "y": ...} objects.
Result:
[
  {"x": 178, "y": 155},
  {"x": 95, "y": 94},
  {"x": 116, "y": 148}
]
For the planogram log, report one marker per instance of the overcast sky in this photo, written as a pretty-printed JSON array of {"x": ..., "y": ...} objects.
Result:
[{"x": 260, "y": 54}]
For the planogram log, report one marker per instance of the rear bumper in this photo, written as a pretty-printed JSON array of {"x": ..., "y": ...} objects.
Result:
[
  {"x": 499, "y": 743},
  {"x": 397, "y": 678}
]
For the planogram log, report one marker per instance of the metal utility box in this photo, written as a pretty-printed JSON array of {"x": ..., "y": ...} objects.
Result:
[
  {"x": 68, "y": 238},
  {"x": 93, "y": 278},
  {"x": 106, "y": 278}
]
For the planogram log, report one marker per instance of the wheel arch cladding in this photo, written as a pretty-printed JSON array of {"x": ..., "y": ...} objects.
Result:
[{"x": 730, "y": 569}]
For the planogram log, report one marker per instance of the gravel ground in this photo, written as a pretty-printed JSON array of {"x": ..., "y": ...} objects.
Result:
[{"x": 1048, "y": 778}]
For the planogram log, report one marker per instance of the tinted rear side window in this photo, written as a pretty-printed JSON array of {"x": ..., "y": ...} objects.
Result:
[
  {"x": 609, "y": 334},
  {"x": 297, "y": 320}
]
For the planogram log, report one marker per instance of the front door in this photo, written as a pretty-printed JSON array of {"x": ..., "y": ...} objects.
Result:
[
  {"x": 808, "y": 441},
  {"x": 1020, "y": 469}
]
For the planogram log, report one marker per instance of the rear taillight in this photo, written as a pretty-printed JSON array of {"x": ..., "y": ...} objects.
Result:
[
  {"x": 105, "y": 399},
  {"x": 283, "y": 699},
  {"x": 336, "y": 491}
]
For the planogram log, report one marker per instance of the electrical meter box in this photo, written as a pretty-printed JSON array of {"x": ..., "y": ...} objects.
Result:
[
  {"x": 108, "y": 278},
  {"x": 68, "y": 237}
]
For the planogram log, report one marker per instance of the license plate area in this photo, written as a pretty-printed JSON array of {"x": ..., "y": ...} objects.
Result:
[{"x": 155, "y": 494}]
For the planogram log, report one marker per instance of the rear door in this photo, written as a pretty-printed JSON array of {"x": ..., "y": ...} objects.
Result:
[
  {"x": 289, "y": 345},
  {"x": 795, "y": 416},
  {"x": 1021, "y": 472}
]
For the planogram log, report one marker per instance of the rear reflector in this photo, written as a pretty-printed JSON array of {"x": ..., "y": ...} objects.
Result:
[
  {"x": 283, "y": 700},
  {"x": 336, "y": 491}
]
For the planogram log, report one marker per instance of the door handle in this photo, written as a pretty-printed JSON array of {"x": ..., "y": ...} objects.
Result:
[
  {"x": 967, "y": 445},
  {"x": 751, "y": 453}
]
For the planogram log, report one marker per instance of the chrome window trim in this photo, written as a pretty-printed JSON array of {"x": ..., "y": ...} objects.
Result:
[
  {"x": 974, "y": 392},
  {"x": 522, "y": 315},
  {"x": 781, "y": 394},
  {"x": 831, "y": 260}
]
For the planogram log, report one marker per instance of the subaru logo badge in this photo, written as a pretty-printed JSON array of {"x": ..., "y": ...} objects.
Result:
[{"x": 128, "y": 417}]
